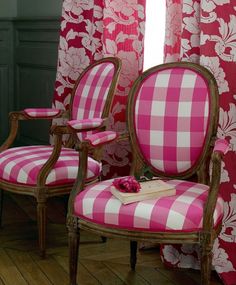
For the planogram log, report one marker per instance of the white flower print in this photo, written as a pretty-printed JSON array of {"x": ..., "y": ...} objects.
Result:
[
  {"x": 72, "y": 62},
  {"x": 116, "y": 154},
  {"x": 210, "y": 5},
  {"x": 227, "y": 125},
  {"x": 224, "y": 173},
  {"x": 228, "y": 232},
  {"x": 122, "y": 12},
  {"x": 225, "y": 45},
  {"x": 88, "y": 40},
  {"x": 220, "y": 259},
  {"x": 171, "y": 254},
  {"x": 213, "y": 64},
  {"x": 173, "y": 24},
  {"x": 77, "y": 6}
]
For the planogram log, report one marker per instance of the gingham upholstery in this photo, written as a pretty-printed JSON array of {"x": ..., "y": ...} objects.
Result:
[
  {"x": 101, "y": 138},
  {"x": 91, "y": 93},
  {"x": 181, "y": 212},
  {"x": 171, "y": 119},
  {"x": 85, "y": 124},
  {"x": 22, "y": 165},
  {"x": 42, "y": 112}
]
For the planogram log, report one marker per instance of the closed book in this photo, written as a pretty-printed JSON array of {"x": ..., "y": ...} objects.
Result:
[{"x": 150, "y": 189}]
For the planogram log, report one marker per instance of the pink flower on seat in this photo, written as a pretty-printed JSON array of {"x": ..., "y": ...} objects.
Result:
[{"x": 127, "y": 184}]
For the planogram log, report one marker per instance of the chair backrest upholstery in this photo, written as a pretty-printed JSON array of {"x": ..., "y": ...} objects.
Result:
[
  {"x": 94, "y": 89},
  {"x": 172, "y": 116}
]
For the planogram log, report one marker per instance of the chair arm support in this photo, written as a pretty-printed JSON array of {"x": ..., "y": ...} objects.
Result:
[
  {"x": 216, "y": 159},
  {"x": 95, "y": 141},
  {"x": 61, "y": 130},
  {"x": 14, "y": 118},
  {"x": 48, "y": 166}
]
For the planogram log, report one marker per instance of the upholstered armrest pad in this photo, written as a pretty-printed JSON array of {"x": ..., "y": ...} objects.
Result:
[
  {"x": 42, "y": 112},
  {"x": 221, "y": 145},
  {"x": 85, "y": 124},
  {"x": 101, "y": 138}
]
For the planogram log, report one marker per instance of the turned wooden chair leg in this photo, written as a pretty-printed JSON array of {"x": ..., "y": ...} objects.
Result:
[
  {"x": 206, "y": 263},
  {"x": 1, "y": 205},
  {"x": 74, "y": 238},
  {"x": 41, "y": 216},
  {"x": 133, "y": 254}
]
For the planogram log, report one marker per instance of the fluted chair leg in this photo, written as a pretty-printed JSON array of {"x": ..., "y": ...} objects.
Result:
[
  {"x": 74, "y": 238},
  {"x": 133, "y": 254},
  {"x": 41, "y": 216},
  {"x": 206, "y": 261},
  {"x": 1, "y": 205}
]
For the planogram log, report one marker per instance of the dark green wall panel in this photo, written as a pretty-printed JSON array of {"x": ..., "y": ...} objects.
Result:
[
  {"x": 6, "y": 75},
  {"x": 27, "y": 72}
]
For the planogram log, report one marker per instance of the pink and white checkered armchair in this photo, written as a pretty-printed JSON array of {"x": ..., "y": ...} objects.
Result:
[
  {"x": 172, "y": 117},
  {"x": 44, "y": 171}
]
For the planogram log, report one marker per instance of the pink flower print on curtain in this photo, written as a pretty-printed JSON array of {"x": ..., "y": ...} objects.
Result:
[
  {"x": 205, "y": 32},
  {"x": 93, "y": 29}
]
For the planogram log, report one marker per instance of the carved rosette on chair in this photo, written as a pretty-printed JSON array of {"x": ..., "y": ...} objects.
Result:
[
  {"x": 47, "y": 171},
  {"x": 172, "y": 116}
]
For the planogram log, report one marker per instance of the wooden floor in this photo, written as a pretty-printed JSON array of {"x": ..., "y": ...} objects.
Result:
[{"x": 100, "y": 263}]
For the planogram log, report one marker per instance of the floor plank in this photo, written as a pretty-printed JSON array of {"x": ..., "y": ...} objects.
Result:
[
  {"x": 8, "y": 270},
  {"x": 28, "y": 268},
  {"x": 52, "y": 269}
]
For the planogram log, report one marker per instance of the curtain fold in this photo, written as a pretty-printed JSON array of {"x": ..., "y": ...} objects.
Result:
[
  {"x": 205, "y": 32},
  {"x": 93, "y": 29}
]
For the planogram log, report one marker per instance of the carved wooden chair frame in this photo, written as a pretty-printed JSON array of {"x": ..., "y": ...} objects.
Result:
[
  {"x": 41, "y": 192},
  {"x": 204, "y": 237}
]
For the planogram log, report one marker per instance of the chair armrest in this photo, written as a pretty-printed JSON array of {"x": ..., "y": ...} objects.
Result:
[
  {"x": 86, "y": 124},
  {"x": 42, "y": 113},
  {"x": 101, "y": 138}
]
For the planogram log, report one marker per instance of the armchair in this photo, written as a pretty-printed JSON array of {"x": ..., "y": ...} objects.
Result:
[
  {"x": 46, "y": 171},
  {"x": 172, "y": 117}
]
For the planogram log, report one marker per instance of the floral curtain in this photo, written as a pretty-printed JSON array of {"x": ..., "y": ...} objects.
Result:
[
  {"x": 93, "y": 29},
  {"x": 205, "y": 32}
]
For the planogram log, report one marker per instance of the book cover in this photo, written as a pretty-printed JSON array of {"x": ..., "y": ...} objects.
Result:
[{"x": 150, "y": 189}]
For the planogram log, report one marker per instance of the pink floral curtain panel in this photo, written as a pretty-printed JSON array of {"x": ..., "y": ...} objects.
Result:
[
  {"x": 93, "y": 29},
  {"x": 205, "y": 32}
]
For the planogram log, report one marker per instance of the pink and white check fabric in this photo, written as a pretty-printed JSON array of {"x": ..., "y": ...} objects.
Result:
[
  {"x": 91, "y": 93},
  {"x": 180, "y": 212},
  {"x": 85, "y": 124},
  {"x": 22, "y": 165},
  {"x": 42, "y": 112},
  {"x": 101, "y": 138},
  {"x": 171, "y": 119}
]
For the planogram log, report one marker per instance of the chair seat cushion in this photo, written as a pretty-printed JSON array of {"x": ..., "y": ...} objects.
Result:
[
  {"x": 181, "y": 212},
  {"x": 22, "y": 164}
]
